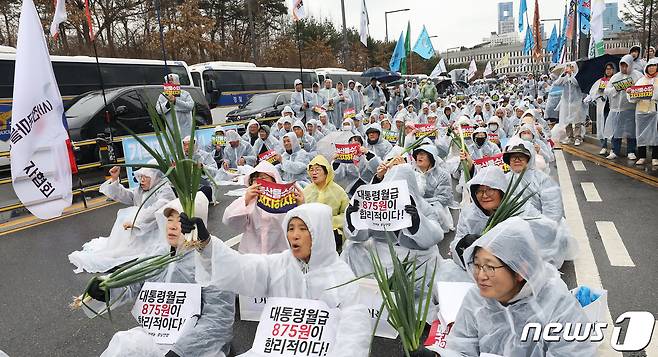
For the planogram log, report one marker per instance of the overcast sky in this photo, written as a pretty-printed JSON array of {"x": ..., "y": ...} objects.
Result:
[{"x": 455, "y": 22}]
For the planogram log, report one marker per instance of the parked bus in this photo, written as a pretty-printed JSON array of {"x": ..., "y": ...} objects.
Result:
[
  {"x": 340, "y": 75},
  {"x": 228, "y": 85}
]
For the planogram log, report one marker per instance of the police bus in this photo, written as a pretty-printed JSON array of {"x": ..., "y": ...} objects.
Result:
[
  {"x": 79, "y": 74},
  {"x": 227, "y": 85}
]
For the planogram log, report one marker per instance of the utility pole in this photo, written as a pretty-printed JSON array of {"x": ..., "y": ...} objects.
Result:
[
  {"x": 252, "y": 30},
  {"x": 342, "y": 6}
]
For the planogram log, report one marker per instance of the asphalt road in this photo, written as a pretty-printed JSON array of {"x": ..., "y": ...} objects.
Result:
[{"x": 37, "y": 281}]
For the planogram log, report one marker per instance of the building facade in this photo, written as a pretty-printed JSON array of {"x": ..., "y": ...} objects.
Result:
[
  {"x": 611, "y": 22},
  {"x": 506, "y": 18}
]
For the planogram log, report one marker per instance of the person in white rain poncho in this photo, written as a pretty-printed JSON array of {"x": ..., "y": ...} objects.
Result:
[
  {"x": 356, "y": 96},
  {"x": 325, "y": 126},
  {"x": 266, "y": 142},
  {"x": 374, "y": 95},
  {"x": 251, "y": 135},
  {"x": 600, "y": 100},
  {"x": 394, "y": 102},
  {"x": 292, "y": 163},
  {"x": 341, "y": 101},
  {"x": 352, "y": 175},
  {"x": 419, "y": 241},
  {"x": 481, "y": 146},
  {"x": 127, "y": 240},
  {"x": 638, "y": 60},
  {"x": 375, "y": 141},
  {"x": 312, "y": 130},
  {"x": 238, "y": 152},
  {"x": 328, "y": 93},
  {"x": 209, "y": 334},
  {"x": 182, "y": 105},
  {"x": 316, "y": 102},
  {"x": 300, "y": 101},
  {"x": 434, "y": 182},
  {"x": 572, "y": 113},
  {"x": 620, "y": 122},
  {"x": 261, "y": 231},
  {"x": 646, "y": 116},
  {"x": 307, "y": 270},
  {"x": 306, "y": 141},
  {"x": 514, "y": 287}
]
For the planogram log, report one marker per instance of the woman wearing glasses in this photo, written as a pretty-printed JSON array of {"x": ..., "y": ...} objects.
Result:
[{"x": 514, "y": 287}]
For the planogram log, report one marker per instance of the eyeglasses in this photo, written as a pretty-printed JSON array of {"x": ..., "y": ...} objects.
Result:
[
  {"x": 518, "y": 158},
  {"x": 485, "y": 190},
  {"x": 315, "y": 169},
  {"x": 488, "y": 270}
]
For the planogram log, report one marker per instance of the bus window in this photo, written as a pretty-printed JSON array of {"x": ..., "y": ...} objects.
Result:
[
  {"x": 274, "y": 80},
  {"x": 253, "y": 80},
  {"x": 156, "y": 74},
  {"x": 7, "y": 80},
  {"x": 321, "y": 80},
  {"x": 196, "y": 78},
  {"x": 225, "y": 80}
]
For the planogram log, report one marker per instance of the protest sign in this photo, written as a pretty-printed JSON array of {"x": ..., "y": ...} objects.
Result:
[
  {"x": 347, "y": 153},
  {"x": 467, "y": 131},
  {"x": 296, "y": 327},
  {"x": 391, "y": 136},
  {"x": 623, "y": 84},
  {"x": 603, "y": 83},
  {"x": 251, "y": 307},
  {"x": 371, "y": 297},
  {"x": 349, "y": 113},
  {"x": 276, "y": 197},
  {"x": 495, "y": 160},
  {"x": 172, "y": 89},
  {"x": 423, "y": 129},
  {"x": 218, "y": 140},
  {"x": 641, "y": 92},
  {"x": 269, "y": 156},
  {"x": 163, "y": 308},
  {"x": 494, "y": 138},
  {"x": 381, "y": 206}
]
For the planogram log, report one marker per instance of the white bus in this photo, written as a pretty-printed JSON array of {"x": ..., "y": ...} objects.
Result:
[
  {"x": 230, "y": 84},
  {"x": 340, "y": 75},
  {"x": 79, "y": 74}
]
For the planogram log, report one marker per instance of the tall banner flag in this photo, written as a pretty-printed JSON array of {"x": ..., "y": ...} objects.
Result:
[
  {"x": 528, "y": 44},
  {"x": 584, "y": 15},
  {"x": 298, "y": 11},
  {"x": 571, "y": 22},
  {"x": 438, "y": 69},
  {"x": 363, "y": 30},
  {"x": 472, "y": 69},
  {"x": 536, "y": 29},
  {"x": 60, "y": 16},
  {"x": 522, "y": 10},
  {"x": 398, "y": 55},
  {"x": 487, "y": 70},
  {"x": 562, "y": 39},
  {"x": 423, "y": 45},
  {"x": 407, "y": 49},
  {"x": 551, "y": 45},
  {"x": 504, "y": 62},
  {"x": 40, "y": 166},
  {"x": 596, "y": 47}
]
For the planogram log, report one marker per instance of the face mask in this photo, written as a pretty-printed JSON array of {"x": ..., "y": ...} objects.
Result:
[
  {"x": 526, "y": 137},
  {"x": 480, "y": 141},
  {"x": 493, "y": 127}
]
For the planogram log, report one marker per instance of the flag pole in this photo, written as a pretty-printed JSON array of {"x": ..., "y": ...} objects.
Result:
[
  {"x": 299, "y": 51},
  {"x": 650, "y": 23},
  {"x": 161, "y": 29}
]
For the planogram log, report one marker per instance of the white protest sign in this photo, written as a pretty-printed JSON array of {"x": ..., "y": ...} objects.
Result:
[
  {"x": 370, "y": 296},
  {"x": 296, "y": 327},
  {"x": 251, "y": 308},
  {"x": 451, "y": 296},
  {"x": 163, "y": 308},
  {"x": 381, "y": 206}
]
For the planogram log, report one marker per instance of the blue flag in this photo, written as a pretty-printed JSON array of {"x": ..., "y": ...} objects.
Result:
[
  {"x": 522, "y": 10},
  {"x": 423, "y": 45},
  {"x": 584, "y": 15},
  {"x": 552, "y": 44},
  {"x": 398, "y": 54},
  {"x": 529, "y": 41},
  {"x": 562, "y": 39}
]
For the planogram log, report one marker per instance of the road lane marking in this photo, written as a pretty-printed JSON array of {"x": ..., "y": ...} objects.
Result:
[
  {"x": 587, "y": 273},
  {"x": 591, "y": 194},
  {"x": 652, "y": 349},
  {"x": 614, "y": 245},
  {"x": 233, "y": 241},
  {"x": 578, "y": 165}
]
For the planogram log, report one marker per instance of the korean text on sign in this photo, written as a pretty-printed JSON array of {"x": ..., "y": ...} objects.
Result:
[
  {"x": 276, "y": 197},
  {"x": 347, "y": 153},
  {"x": 623, "y": 84},
  {"x": 172, "y": 89},
  {"x": 641, "y": 92},
  {"x": 495, "y": 160},
  {"x": 296, "y": 327},
  {"x": 423, "y": 129},
  {"x": 391, "y": 136},
  {"x": 269, "y": 156},
  {"x": 163, "y": 308},
  {"x": 381, "y": 206}
]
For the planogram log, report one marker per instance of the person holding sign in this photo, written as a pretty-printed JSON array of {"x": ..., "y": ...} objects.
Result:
[
  {"x": 309, "y": 269},
  {"x": 514, "y": 287},
  {"x": 266, "y": 142},
  {"x": 376, "y": 142},
  {"x": 620, "y": 122},
  {"x": 434, "y": 182},
  {"x": 216, "y": 146},
  {"x": 293, "y": 161},
  {"x": 134, "y": 234},
  {"x": 181, "y": 102},
  {"x": 646, "y": 116},
  {"x": 238, "y": 152},
  {"x": 600, "y": 100},
  {"x": 261, "y": 231},
  {"x": 208, "y": 334},
  {"x": 323, "y": 189},
  {"x": 351, "y": 175}
]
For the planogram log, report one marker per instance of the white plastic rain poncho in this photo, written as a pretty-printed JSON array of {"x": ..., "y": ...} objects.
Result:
[
  {"x": 421, "y": 245},
  {"x": 492, "y": 122},
  {"x": 207, "y": 160},
  {"x": 342, "y": 101},
  {"x": 293, "y": 167},
  {"x": 486, "y": 150},
  {"x": 297, "y": 99},
  {"x": 122, "y": 245},
  {"x": 183, "y": 106},
  {"x": 374, "y": 96},
  {"x": 306, "y": 142},
  {"x": 210, "y": 334},
  {"x": 314, "y": 100},
  {"x": 328, "y": 94},
  {"x": 283, "y": 275},
  {"x": 599, "y": 99},
  {"x": 393, "y": 103},
  {"x": 270, "y": 143},
  {"x": 621, "y": 118},
  {"x": 326, "y": 127},
  {"x": 317, "y": 134},
  {"x": 552, "y": 102},
  {"x": 435, "y": 186},
  {"x": 484, "y": 325},
  {"x": 380, "y": 147},
  {"x": 356, "y": 96},
  {"x": 646, "y": 116},
  {"x": 261, "y": 231},
  {"x": 243, "y": 150},
  {"x": 545, "y": 150},
  {"x": 284, "y": 120},
  {"x": 571, "y": 102},
  {"x": 251, "y": 139},
  {"x": 352, "y": 175}
]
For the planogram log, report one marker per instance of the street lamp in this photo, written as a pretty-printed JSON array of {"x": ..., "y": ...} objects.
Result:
[
  {"x": 386, "y": 19},
  {"x": 551, "y": 20}
]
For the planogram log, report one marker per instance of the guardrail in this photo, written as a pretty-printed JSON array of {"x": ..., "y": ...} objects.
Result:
[{"x": 98, "y": 164}]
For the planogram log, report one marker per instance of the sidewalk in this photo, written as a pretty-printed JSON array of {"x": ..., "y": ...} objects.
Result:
[{"x": 589, "y": 150}]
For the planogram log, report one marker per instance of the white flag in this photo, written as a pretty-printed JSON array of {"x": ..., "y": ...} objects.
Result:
[
  {"x": 363, "y": 31},
  {"x": 487, "y": 70},
  {"x": 40, "y": 167},
  {"x": 596, "y": 29},
  {"x": 438, "y": 69},
  {"x": 298, "y": 11},
  {"x": 60, "y": 16},
  {"x": 472, "y": 69}
]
